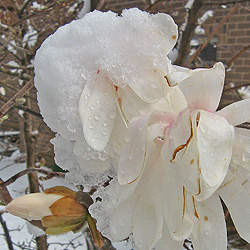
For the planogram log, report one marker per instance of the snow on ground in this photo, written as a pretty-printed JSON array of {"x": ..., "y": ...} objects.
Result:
[{"x": 18, "y": 227}]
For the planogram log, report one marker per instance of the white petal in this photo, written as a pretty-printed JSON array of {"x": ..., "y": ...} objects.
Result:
[
  {"x": 121, "y": 220},
  {"x": 145, "y": 225},
  {"x": 98, "y": 113},
  {"x": 237, "y": 112},
  {"x": 174, "y": 204},
  {"x": 215, "y": 139},
  {"x": 133, "y": 153},
  {"x": 149, "y": 87},
  {"x": 32, "y": 206},
  {"x": 167, "y": 28},
  {"x": 237, "y": 200},
  {"x": 212, "y": 232},
  {"x": 166, "y": 242},
  {"x": 203, "y": 87}
]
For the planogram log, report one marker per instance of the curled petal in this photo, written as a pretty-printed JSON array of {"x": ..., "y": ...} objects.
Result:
[
  {"x": 237, "y": 112},
  {"x": 98, "y": 112},
  {"x": 201, "y": 87}
]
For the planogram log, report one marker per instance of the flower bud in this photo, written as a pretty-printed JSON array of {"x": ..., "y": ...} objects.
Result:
[{"x": 56, "y": 207}]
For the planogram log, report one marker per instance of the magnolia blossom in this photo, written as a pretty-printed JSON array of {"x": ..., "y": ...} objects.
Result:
[
  {"x": 93, "y": 78},
  {"x": 127, "y": 117},
  {"x": 180, "y": 165}
]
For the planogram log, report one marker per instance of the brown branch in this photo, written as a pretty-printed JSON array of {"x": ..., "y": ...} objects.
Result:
[
  {"x": 236, "y": 87},
  {"x": 205, "y": 43},
  {"x": 8, "y": 105},
  {"x": 187, "y": 34},
  {"x": 30, "y": 170},
  {"x": 6, "y": 233},
  {"x": 4, "y": 194},
  {"x": 154, "y": 5},
  {"x": 226, "y": 2},
  {"x": 240, "y": 52},
  {"x": 100, "y": 5}
]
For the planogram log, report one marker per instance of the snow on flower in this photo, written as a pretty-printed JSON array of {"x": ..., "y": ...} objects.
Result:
[
  {"x": 124, "y": 115},
  {"x": 93, "y": 89}
]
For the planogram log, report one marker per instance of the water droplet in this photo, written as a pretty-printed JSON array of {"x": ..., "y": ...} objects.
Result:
[
  {"x": 154, "y": 85},
  {"x": 105, "y": 123},
  {"x": 203, "y": 128},
  {"x": 236, "y": 159},
  {"x": 97, "y": 101},
  {"x": 97, "y": 117},
  {"x": 246, "y": 156},
  {"x": 127, "y": 138},
  {"x": 112, "y": 114},
  {"x": 140, "y": 128},
  {"x": 92, "y": 107},
  {"x": 91, "y": 126},
  {"x": 104, "y": 132},
  {"x": 147, "y": 97},
  {"x": 86, "y": 97},
  {"x": 130, "y": 158}
]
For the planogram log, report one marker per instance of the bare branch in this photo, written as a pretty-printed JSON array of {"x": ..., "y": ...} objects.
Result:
[
  {"x": 236, "y": 87},
  {"x": 205, "y": 43},
  {"x": 30, "y": 170},
  {"x": 189, "y": 31},
  {"x": 6, "y": 233},
  {"x": 240, "y": 52},
  {"x": 226, "y": 2},
  {"x": 8, "y": 105},
  {"x": 4, "y": 194}
]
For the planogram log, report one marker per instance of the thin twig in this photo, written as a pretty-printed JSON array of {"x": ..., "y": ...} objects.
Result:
[
  {"x": 236, "y": 87},
  {"x": 30, "y": 170},
  {"x": 4, "y": 194},
  {"x": 205, "y": 43},
  {"x": 226, "y": 2},
  {"x": 240, "y": 52},
  {"x": 100, "y": 5},
  {"x": 6, "y": 233},
  {"x": 8, "y": 105}
]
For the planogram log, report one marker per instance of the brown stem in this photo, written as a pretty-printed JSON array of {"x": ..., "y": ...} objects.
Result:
[
  {"x": 236, "y": 87},
  {"x": 226, "y": 2},
  {"x": 30, "y": 170},
  {"x": 8, "y": 105},
  {"x": 240, "y": 52},
  {"x": 187, "y": 34},
  {"x": 6, "y": 233},
  {"x": 4, "y": 193},
  {"x": 205, "y": 43}
]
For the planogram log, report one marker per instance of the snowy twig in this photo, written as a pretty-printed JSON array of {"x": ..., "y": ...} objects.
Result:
[
  {"x": 6, "y": 233},
  {"x": 30, "y": 170},
  {"x": 189, "y": 31},
  {"x": 205, "y": 43},
  {"x": 240, "y": 52},
  {"x": 8, "y": 105}
]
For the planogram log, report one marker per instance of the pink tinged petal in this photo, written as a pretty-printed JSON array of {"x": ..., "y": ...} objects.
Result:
[
  {"x": 121, "y": 220},
  {"x": 203, "y": 88},
  {"x": 215, "y": 139},
  {"x": 98, "y": 113},
  {"x": 236, "y": 113},
  {"x": 32, "y": 206},
  {"x": 145, "y": 226},
  {"x": 174, "y": 205},
  {"x": 167, "y": 28},
  {"x": 237, "y": 200},
  {"x": 212, "y": 232}
]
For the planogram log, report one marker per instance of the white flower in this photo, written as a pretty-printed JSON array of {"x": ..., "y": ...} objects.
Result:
[
  {"x": 173, "y": 167},
  {"x": 93, "y": 78}
]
